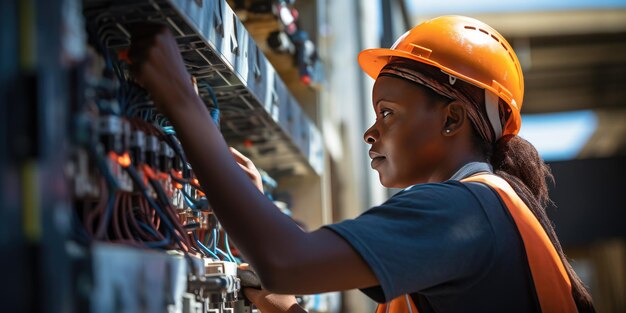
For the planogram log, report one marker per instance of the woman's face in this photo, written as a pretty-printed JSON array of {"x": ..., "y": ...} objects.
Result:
[{"x": 407, "y": 138}]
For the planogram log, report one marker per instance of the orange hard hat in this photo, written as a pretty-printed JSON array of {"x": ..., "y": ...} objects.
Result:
[{"x": 465, "y": 48}]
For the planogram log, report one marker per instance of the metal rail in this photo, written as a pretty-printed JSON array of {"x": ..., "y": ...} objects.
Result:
[{"x": 255, "y": 103}]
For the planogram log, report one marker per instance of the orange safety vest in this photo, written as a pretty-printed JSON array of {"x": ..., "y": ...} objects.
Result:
[{"x": 552, "y": 284}]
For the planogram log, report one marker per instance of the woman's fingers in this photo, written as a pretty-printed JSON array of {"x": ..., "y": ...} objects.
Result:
[
  {"x": 272, "y": 303},
  {"x": 241, "y": 159},
  {"x": 248, "y": 167},
  {"x": 253, "y": 294},
  {"x": 248, "y": 171}
]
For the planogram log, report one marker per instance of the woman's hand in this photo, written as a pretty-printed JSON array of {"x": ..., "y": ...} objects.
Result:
[
  {"x": 268, "y": 302},
  {"x": 158, "y": 66},
  {"x": 249, "y": 168}
]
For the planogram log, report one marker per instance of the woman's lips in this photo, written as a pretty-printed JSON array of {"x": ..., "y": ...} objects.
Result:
[
  {"x": 376, "y": 157},
  {"x": 377, "y": 160}
]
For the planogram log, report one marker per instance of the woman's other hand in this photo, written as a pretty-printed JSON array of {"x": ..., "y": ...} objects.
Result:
[
  {"x": 268, "y": 302},
  {"x": 249, "y": 168}
]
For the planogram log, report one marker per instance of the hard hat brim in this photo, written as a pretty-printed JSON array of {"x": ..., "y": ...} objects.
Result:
[{"x": 372, "y": 62}]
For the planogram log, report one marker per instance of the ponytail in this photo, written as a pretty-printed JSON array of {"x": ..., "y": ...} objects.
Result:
[
  {"x": 517, "y": 161},
  {"x": 517, "y": 157}
]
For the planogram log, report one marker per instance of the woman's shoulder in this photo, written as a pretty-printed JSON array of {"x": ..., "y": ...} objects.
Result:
[
  {"x": 448, "y": 192},
  {"x": 445, "y": 201}
]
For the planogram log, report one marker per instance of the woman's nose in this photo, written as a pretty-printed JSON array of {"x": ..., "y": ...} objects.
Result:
[{"x": 371, "y": 135}]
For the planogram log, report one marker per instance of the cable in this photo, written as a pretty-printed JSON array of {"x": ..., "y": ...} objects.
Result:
[
  {"x": 135, "y": 177},
  {"x": 189, "y": 202},
  {"x": 183, "y": 181},
  {"x": 217, "y": 250},
  {"x": 79, "y": 229},
  {"x": 104, "y": 222},
  {"x": 117, "y": 231},
  {"x": 143, "y": 236},
  {"x": 169, "y": 130},
  {"x": 215, "y": 111},
  {"x": 227, "y": 246},
  {"x": 196, "y": 205},
  {"x": 203, "y": 248},
  {"x": 157, "y": 244},
  {"x": 208, "y": 237},
  {"x": 126, "y": 207},
  {"x": 151, "y": 218},
  {"x": 211, "y": 93},
  {"x": 168, "y": 207},
  {"x": 216, "y": 239},
  {"x": 224, "y": 254},
  {"x": 89, "y": 218},
  {"x": 179, "y": 240}
]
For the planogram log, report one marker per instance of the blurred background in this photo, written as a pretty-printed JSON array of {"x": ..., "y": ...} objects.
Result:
[
  {"x": 573, "y": 55},
  {"x": 290, "y": 70}
]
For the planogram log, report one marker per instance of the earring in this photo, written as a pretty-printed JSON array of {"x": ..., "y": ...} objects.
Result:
[{"x": 448, "y": 131}]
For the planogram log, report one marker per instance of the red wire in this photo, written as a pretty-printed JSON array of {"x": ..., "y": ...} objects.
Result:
[
  {"x": 126, "y": 208},
  {"x": 102, "y": 233},
  {"x": 133, "y": 222},
  {"x": 98, "y": 209},
  {"x": 116, "y": 224}
]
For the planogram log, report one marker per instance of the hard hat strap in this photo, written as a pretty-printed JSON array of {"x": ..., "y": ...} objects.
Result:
[{"x": 493, "y": 113}]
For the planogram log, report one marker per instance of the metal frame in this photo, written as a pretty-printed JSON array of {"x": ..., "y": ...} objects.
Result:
[{"x": 255, "y": 103}]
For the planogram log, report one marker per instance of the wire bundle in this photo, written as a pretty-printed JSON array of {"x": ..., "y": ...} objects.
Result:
[{"x": 143, "y": 215}]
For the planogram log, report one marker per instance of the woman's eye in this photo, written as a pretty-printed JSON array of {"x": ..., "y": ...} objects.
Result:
[{"x": 385, "y": 113}]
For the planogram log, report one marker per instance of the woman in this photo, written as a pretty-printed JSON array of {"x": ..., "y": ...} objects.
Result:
[{"x": 460, "y": 237}]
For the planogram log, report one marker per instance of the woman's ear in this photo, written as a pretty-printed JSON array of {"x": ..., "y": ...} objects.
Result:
[{"x": 455, "y": 117}]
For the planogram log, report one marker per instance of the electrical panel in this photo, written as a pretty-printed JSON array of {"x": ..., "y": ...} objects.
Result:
[{"x": 152, "y": 241}]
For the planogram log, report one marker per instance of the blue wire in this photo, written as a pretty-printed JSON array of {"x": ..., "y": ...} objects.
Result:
[
  {"x": 104, "y": 168},
  {"x": 208, "y": 239},
  {"x": 160, "y": 244},
  {"x": 215, "y": 115},
  {"x": 211, "y": 93},
  {"x": 202, "y": 247},
  {"x": 215, "y": 239},
  {"x": 230, "y": 254},
  {"x": 215, "y": 112},
  {"x": 189, "y": 202},
  {"x": 193, "y": 204},
  {"x": 169, "y": 130},
  {"x": 219, "y": 251},
  {"x": 148, "y": 229},
  {"x": 155, "y": 244}
]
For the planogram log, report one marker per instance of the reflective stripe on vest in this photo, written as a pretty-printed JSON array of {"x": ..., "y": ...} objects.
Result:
[{"x": 552, "y": 284}]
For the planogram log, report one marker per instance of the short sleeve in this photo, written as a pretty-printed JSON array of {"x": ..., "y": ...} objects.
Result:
[{"x": 423, "y": 237}]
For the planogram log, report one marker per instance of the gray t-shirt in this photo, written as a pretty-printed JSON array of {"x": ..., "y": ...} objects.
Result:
[{"x": 452, "y": 246}]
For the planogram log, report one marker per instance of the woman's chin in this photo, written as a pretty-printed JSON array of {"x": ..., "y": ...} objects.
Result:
[
  {"x": 381, "y": 179},
  {"x": 391, "y": 182},
  {"x": 386, "y": 181}
]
